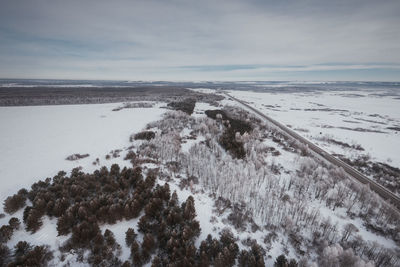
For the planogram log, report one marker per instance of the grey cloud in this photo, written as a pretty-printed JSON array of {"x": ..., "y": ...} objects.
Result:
[{"x": 157, "y": 37}]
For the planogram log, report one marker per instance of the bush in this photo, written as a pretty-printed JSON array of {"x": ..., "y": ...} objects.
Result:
[
  {"x": 130, "y": 155},
  {"x": 14, "y": 223},
  {"x": 254, "y": 257},
  {"x": 235, "y": 125},
  {"x": 145, "y": 135},
  {"x": 228, "y": 139},
  {"x": 33, "y": 221},
  {"x": 4, "y": 255},
  {"x": 25, "y": 256},
  {"x": 229, "y": 143},
  {"x": 186, "y": 105},
  {"x": 82, "y": 201},
  {"x": 148, "y": 243},
  {"x": 130, "y": 236},
  {"x": 14, "y": 203},
  {"x": 281, "y": 261},
  {"x": 110, "y": 239},
  {"x": 6, "y": 233},
  {"x": 76, "y": 156},
  {"x": 21, "y": 248},
  {"x": 84, "y": 233}
]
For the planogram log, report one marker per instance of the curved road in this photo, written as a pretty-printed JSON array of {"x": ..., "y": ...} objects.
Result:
[{"x": 379, "y": 189}]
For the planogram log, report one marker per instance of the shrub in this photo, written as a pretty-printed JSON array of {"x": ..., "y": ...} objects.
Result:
[
  {"x": 130, "y": 236},
  {"x": 6, "y": 233},
  {"x": 148, "y": 243},
  {"x": 83, "y": 233},
  {"x": 21, "y": 248},
  {"x": 76, "y": 156},
  {"x": 14, "y": 223},
  {"x": 281, "y": 261},
  {"x": 145, "y": 135},
  {"x": 235, "y": 125},
  {"x": 130, "y": 155},
  {"x": 228, "y": 139},
  {"x": 14, "y": 203},
  {"x": 254, "y": 257},
  {"x": 186, "y": 105},
  {"x": 229, "y": 143},
  {"x": 110, "y": 239},
  {"x": 25, "y": 256},
  {"x": 33, "y": 221},
  {"x": 4, "y": 255}
]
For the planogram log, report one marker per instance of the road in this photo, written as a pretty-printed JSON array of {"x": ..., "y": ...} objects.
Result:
[{"x": 379, "y": 189}]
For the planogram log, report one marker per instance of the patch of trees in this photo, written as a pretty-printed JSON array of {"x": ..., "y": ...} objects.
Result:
[
  {"x": 236, "y": 125},
  {"x": 168, "y": 228},
  {"x": 24, "y": 254},
  {"x": 22, "y": 96},
  {"x": 383, "y": 173},
  {"x": 281, "y": 204},
  {"x": 336, "y": 256},
  {"x": 145, "y": 135},
  {"x": 82, "y": 202},
  {"x": 4, "y": 255},
  {"x": 6, "y": 231},
  {"x": 186, "y": 105},
  {"x": 342, "y": 144},
  {"x": 222, "y": 252},
  {"x": 228, "y": 139},
  {"x": 282, "y": 261},
  {"x": 15, "y": 202},
  {"x": 77, "y": 156},
  {"x": 135, "y": 105},
  {"x": 173, "y": 121},
  {"x": 252, "y": 257}
]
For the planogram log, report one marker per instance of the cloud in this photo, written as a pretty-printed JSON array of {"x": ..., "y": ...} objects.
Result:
[{"x": 196, "y": 39}]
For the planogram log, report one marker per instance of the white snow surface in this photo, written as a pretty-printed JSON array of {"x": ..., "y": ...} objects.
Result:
[
  {"x": 304, "y": 113},
  {"x": 40, "y": 138},
  {"x": 35, "y": 140}
]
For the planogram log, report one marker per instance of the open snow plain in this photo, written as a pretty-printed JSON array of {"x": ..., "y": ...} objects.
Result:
[
  {"x": 36, "y": 140},
  {"x": 274, "y": 197},
  {"x": 354, "y": 118},
  {"x": 360, "y": 127}
]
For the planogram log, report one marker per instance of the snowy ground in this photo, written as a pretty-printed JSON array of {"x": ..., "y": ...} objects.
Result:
[
  {"x": 351, "y": 117},
  {"x": 35, "y": 140},
  {"x": 40, "y": 138}
]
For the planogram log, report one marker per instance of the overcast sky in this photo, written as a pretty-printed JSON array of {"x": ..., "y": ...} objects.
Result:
[{"x": 200, "y": 40}]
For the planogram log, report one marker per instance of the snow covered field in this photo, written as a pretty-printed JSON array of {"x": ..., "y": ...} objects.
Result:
[
  {"x": 351, "y": 117},
  {"x": 35, "y": 140},
  {"x": 40, "y": 138}
]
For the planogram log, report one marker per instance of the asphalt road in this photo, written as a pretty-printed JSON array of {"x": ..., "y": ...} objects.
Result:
[{"x": 386, "y": 194}]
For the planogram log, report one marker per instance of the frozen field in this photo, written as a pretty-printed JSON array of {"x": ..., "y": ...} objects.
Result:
[
  {"x": 354, "y": 118},
  {"x": 35, "y": 140}
]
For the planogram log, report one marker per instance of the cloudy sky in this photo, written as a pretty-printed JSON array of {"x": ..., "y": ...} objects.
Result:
[{"x": 200, "y": 40}]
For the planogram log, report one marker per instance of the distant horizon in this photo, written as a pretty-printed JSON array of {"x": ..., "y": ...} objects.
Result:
[{"x": 203, "y": 81}]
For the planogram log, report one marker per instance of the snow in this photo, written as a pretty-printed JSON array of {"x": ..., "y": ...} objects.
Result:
[
  {"x": 40, "y": 138},
  {"x": 340, "y": 216},
  {"x": 46, "y": 235},
  {"x": 349, "y": 109},
  {"x": 201, "y": 107},
  {"x": 35, "y": 140},
  {"x": 119, "y": 229}
]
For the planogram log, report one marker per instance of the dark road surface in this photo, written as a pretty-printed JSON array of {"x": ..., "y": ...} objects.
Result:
[{"x": 379, "y": 189}]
